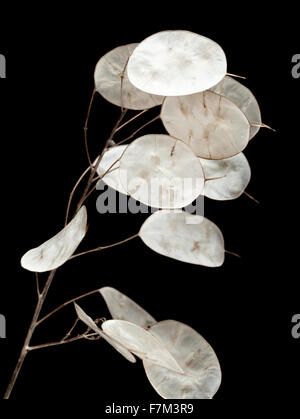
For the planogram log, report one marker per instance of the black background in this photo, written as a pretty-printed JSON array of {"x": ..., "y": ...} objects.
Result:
[{"x": 244, "y": 308}]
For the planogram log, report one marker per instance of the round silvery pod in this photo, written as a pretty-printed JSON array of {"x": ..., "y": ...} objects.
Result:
[
  {"x": 161, "y": 171},
  {"x": 226, "y": 179},
  {"x": 176, "y": 63},
  {"x": 111, "y": 81},
  {"x": 122, "y": 307},
  {"x": 185, "y": 237},
  {"x": 243, "y": 98},
  {"x": 57, "y": 250},
  {"x": 92, "y": 325},
  {"x": 110, "y": 161},
  {"x": 201, "y": 377},
  {"x": 213, "y": 126},
  {"x": 140, "y": 342}
]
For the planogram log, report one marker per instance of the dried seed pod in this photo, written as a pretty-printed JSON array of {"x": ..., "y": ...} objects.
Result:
[
  {"x": 57, "y": 250},
  {"x": 140, "y": 342},
  {"x": 111, "y": 81},
  {"x": 112, "y": 179},
  {"x": 201, "y": 375},
  {"x": 227, "y": 178},
  {"x": 185, "y": 237},
  {"x": 243, "y": 98},
  {"x": 122, "y": 307},
  {"x": 176, "y": 63},
  {"x": 213, "y": 126},
  {"x": 92, "y": 325},
  {"x": 161, "y": 171}
]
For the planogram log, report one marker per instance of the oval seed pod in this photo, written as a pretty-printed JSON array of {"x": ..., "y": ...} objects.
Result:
[
  {"x": 201, "y": 376},
  {"x": 122, "y": 307},
  {"x": 109, "y": 73},
  {"x": 213, "y": 126},
  {"x": 140, "y": 342},
  {"x": 184, "y": 237},
  {"x": 243, "y": 98},
  {"x": 176, "y": 63},
  {"x": 226, "y": 179},
  {"x": 92, "y": 325},
  {"x": 110, "y": 161},
  {"x": 161, "y": 171},
  {"x": 57, "y": 250}
]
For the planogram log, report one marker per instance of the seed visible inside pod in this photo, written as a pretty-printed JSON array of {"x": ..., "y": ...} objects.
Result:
[
  {"x": 243, "y": 98},
  {"x": 57, "y": 250},
  {"x": 185, "y": 237},
  {"x": 213, "y": 126},
  {"x": 176, "y": 63},
  {"x": 122, "y": 307},
  {"x": 111, "y": 81},
  {"x": 161, "y": 171},
  {"x": 227, "y": 178},
  {"x": 201, "y": 376}
]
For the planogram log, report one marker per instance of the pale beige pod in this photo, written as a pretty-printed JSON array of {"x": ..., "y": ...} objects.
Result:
[
  {"x": 201, "y": 377},
  {"x": 176, "y": 63},
  {"x": 141, "y": 343},
  {"x": 108, "y": 81},
  {"x": 111, "y": 162},
  {"x": 243, "y": 98},
  {"x": 185, "y": 237},
  {"x": 212, "y": 125},
  {"x": 122, "y": 307},
  {"x": 92, "y": 325},
  {"x": 161, "y": 171},
  {"x": 57, "y": 250},
  {"x": 226, "y": 179}
]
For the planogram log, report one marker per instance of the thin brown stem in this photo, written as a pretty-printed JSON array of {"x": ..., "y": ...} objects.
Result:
[
  {"x": 263, "y": 126},
  {"x": 66, "y": 304},
  {"x": 37, "y": 284},
  {"x": 42, "y": 295},
  {"x": 30, "y": 332},
  {"x": 73, "y": 191},
  {"x": 251, "y": 197},
  {"x": 98, "y": 161},
  {"x": 60, "y": 342},
  {"x": 85, "y": 128},
  {"x": 138, "y": 130},
  {"x": 131, "y": 119},
  {"x": 233, "y": 254},
  {"x": 70, "y": 331},
  {"x": 235, "y": 75},
  {"x": 104, "y": 247}
]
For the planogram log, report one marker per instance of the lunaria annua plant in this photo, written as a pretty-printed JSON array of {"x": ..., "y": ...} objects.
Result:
[{"x": 209, "y": 118}]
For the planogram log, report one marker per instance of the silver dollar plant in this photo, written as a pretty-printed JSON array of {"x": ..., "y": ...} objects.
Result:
[{"x": 209, "y": 119}]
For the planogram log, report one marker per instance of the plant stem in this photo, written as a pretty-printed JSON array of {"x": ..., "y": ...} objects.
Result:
[
  {"x": 30, "y": 332},
  {"x": 135, "y": 132},
  {"x": 131, "y": 119},
  {"x": 98, "y": 161},
  {"x": 42, "y": 295},
  {"x": 251, "y": 197},
  {"x": 73, "y": 191},
  {"x": 104, "y": 247},
  {"x": 61, "y": 342},
  {"x": 85, "y": 128},
  {"x": 66, "y": 304}
]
